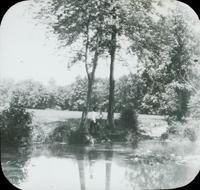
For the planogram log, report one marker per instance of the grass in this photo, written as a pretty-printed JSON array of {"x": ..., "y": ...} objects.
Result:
[
  {"x": 189, "y": 130},
  {"x": 50, "y": 121},
  {"x": 51, "y": 115}
]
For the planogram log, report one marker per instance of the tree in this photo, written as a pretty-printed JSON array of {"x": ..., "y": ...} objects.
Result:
[
  {"x": 165, "y": 51},
  {"x": 6, "y": 87},
  {"x": 145, "y": 35},
  {"x": 94, "y": 24},
  {"x": 77, "y": 94},
  {"x": 112, "y": 51},
  {"x": 78, "y": 22},
  {"x": 100, "y": 94},
  {"x": 118, "y": 15},
  {"x": 159, "y": 42},
  {"x": 108, "y": 157},
  {"x": 181, "y": 60},
  {"x": 31, "y": 94},
  {"x": 127, "y": 91}
]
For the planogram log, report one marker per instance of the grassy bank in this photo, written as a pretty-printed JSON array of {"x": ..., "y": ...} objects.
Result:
[
  {"x": 56, "y": 125},
  {"x": 153, "y": 125},
  {"x": 68, "y": 132}
]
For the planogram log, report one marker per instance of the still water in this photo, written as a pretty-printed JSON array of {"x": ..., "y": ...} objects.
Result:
[{"x": 151, "y": 164}]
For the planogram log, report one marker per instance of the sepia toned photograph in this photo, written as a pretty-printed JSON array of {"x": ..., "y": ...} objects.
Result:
[{"x": 100, "y": 94}]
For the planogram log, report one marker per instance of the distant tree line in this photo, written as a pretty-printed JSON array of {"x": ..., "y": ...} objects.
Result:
[
  {"x": 131, "y": 90},
  {"x": 161, "y": 35},
  {"x": 166, "y": 47}
]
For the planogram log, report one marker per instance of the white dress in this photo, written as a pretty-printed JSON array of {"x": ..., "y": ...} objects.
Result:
[{"x": 94, "y": 116}]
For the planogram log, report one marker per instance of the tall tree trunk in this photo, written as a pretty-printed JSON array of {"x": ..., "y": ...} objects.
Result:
[
  {"x": 111, "y": 80},
  {"x": 91, "y": 77},
  {"x": 87, "y": 105},
  {"x": 90, "y": 81}
]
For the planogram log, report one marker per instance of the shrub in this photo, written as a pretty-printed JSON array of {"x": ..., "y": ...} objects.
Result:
[
  {"x": 64, "y": 130},
  {"x": 129, "y": 118},
  {"x": 80, "y": 137},
  {"x": 188, "y": 130},
  {"x": 69, "y": 132},
  {"x": 190, "y": 134},
  {"x": 15, "y": 125}
]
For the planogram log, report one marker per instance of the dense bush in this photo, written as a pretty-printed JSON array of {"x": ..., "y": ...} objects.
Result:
[
  {"x": 188, "y": 130},
  {"x": 69, "y": 132},
  {"x": 194, "y": 103},
  {"x": 64, "y": 130},
  {"x": 190, "y": 134},
  {"x": 15, "y": 125},
  {"x": 129, "y": 118}
]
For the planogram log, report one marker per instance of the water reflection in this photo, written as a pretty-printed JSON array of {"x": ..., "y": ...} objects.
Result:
[
  {"x": 108, "y": 158},
  {"x": 13, "y": 163},
  {"x": 80, "y": 159},
  {"x": 109, "y": 167}
]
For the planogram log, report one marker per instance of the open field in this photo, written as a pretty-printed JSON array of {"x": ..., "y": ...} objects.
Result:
[
  {"x": 154, "y": 125},
  {"x": 51, "y": 115}
]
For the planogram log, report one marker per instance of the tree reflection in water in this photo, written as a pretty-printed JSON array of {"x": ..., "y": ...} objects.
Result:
[
  {"x": 80, "y": 156},
  {"x": 92, "y": 157},
  {"x": 83, "y": 156},
  {"x": 108, "y": 158},
  {"x": 13, "y": 161},
  {"x": 109, "y": 167}
]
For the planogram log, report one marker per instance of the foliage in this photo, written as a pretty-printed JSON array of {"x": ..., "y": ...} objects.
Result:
[
  {"x": 78, "y": 137},
  {"x": 73, "y": 97},
  {"x": 77, "y": 96},
  {"x": 63, "y": 97},
  {"x": 190, "y": 134},
  {"x": 64, "y": 131},
  {"x": 127, "y": 91},
  {"x": 194, "y": 103},
  {"x": 96, "y": 26},
  {"x": 68, "y": 132},
  {"x": 161, "y": 37},
  {"x": 188, "y": 130},
  {"x": 165, "y": 52},
  {"x": 6, "y": 87},
  {"x": 32, "y": 94},
  {"x": 100, "y": 94},
  {"x": 176, "y": 103},
  {"x": 128, "y": 117},
  {"x": 15, "y": 125},
  {"x": 81, "y": 22}
]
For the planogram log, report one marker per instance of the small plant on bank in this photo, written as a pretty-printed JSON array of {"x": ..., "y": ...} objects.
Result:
[
  {"x": 187, "y": 130},
  {"x": 69, "y": 132}
]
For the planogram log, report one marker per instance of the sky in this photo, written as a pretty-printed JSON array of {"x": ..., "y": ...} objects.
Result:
[{"x": 25, "y": 52}]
